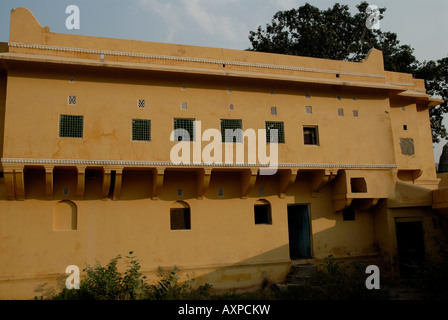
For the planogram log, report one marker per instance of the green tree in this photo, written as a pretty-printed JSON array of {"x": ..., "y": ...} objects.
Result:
[{"x": 336, "y": 33}]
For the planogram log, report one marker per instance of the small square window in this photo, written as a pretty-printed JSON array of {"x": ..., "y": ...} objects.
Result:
[
  {"x": 274, "y": 111},
  {"x": 355, "y": 113},
  {"x": 310, "y": 135},
  {"x": 405, "y": 127},
  {"x": 231, "y": 107},
  {"x": 71, "y": 126},
  {"x": 358, "y": 185},
  {"x": 72, "y": 100},
  {"x": 309, "y": 110},
  {"x": 262, "y": 214},
  {"x": 141, "y": 103},
  {"x": 180, "y": 219},
  {"x": 184, "y": 129},
  {"x": 220, "y": 192},
  {"x": 340, "y": 112},
  {"x": 184, "y": 106},
  {"x": 277, "y": 136},
  {"x": 141, "y": 130},
  {"x": 180, "y": 192},
  {"x": 348, "y": 214},
  {"x": 308, "y": 95},
  {"x": 232, "y": 130}
]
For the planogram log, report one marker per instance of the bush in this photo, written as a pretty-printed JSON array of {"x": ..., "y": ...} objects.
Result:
[{"x": 107, "y": 283}]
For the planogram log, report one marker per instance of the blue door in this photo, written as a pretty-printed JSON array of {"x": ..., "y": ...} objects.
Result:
[{"x": 299, "y": 231}]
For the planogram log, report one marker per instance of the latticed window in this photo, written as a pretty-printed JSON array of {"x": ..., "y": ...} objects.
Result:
[
  {"x": 309, "y": 110},
  {"x": 72, "y": 100},
  {"x": 340, "y": 112},
  {"x": 184, "y": 129},
  {"x": 141, "y": 103},
  {"x": 232, "y": 130},
  {"x": 71, "y": 126},
  {"x": 310, "y": 136},
  {"x": 278, "y": 136},
  {"x": 141, "y": 130}
]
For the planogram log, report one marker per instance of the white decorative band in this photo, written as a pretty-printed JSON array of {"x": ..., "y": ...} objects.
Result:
[
  {"x": 202, "y": 164},
  {"x": 407, "y": 84},
  {"x": 188, "y": 59}
]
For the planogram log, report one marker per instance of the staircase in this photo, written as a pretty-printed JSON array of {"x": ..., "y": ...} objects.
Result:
[{"x": 297, "y": 276}]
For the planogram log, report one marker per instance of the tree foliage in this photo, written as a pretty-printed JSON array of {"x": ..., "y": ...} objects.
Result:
[{"x": 336, "y": 33}]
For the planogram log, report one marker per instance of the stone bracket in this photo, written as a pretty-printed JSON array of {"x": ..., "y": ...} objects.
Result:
[
  {"x": 286, "y": 179},
  {"x": 248, "y": 179},
  {"x": 321, "y": 178},
  {"x": 157, "y": 182},
  {"x": 14, "y": 182},
  {"x": 203, "y": 182}
]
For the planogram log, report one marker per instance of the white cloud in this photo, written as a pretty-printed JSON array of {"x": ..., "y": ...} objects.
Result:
[{"x": 214, "y": 19}]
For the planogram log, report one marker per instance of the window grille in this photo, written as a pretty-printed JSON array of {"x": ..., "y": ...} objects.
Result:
[
  {"x": 309, "y": 110},
  {"x": 232, "y": 130},
  {"x": 71, "y": 126},
  {"x": 180, "y": 219},
  {"x": 72, "y": 100},
  {"x": 141, "y": 103},
  {"x": 184, "y": 106},
  {"x": 276, "y": 138},
  {"x": 356, "y": 113},
  {"x": 340, "y": 112},
  {"x": 184, "y": 129},
  {"x": 141, "y": 130},
  {"x": 274, "y": 111}
]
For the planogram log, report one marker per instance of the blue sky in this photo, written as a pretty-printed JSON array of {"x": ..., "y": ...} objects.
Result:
[{"x": 225, "y": 23}]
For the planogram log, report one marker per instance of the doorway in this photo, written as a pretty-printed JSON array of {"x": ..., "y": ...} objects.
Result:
[
  {"x": 299, "y": 230},
  {"x": 411, "y": 246}
]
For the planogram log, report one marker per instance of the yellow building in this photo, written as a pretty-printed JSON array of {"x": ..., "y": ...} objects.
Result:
[{"x": 87, "y": 169}]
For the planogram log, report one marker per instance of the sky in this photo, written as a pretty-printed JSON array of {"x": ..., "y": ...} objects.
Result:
[{"x": 227, "y": 23}]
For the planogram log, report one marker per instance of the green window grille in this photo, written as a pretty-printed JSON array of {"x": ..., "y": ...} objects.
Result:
[
  {"x": 184, "y": 129},
  {"x": 232, "y": 130},
  {"x": 310, "y": 136},
  {"x": 71, "y": 126},
  {"x": 277, "y": 137},
  {"x": 141, "y": 130}
]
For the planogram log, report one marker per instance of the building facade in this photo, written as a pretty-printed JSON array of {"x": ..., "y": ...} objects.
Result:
[{"x": 90, "y": 165}]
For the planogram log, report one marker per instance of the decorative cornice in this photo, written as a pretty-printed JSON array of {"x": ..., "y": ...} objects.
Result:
[
  {"x": 191, "y": 165},
  {"x": 407, "y": 84},
  {"x": 188, "y": 59}
]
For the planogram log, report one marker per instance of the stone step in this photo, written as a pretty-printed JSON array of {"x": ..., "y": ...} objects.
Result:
[
  {"x": 305, "y": 270},
  {"x": 297, "y": 276}
]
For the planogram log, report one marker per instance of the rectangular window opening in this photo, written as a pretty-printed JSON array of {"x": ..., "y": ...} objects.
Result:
[
  {"x": 141, "y": 130},
  {"x": 232, "y": 130},
  {"x": 348, "y": 214},
  {"x": 141, "y": 103},
  {"x": 262, "y": 213},
  {"x": 184, "y": 129},
  {"x": 279, "y": 137},
  {"x": 180, "y": 219},
  {"x": 71, "y": 126},
  {"x": 309, "y": 110},
  {"x": 72, "y": 100},
  {"x": 358, "y": 185},
  {"x": 310, "y": 135}
]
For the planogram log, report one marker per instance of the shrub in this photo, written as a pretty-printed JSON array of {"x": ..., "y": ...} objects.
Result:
[{"x": 107, "y": 283}]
